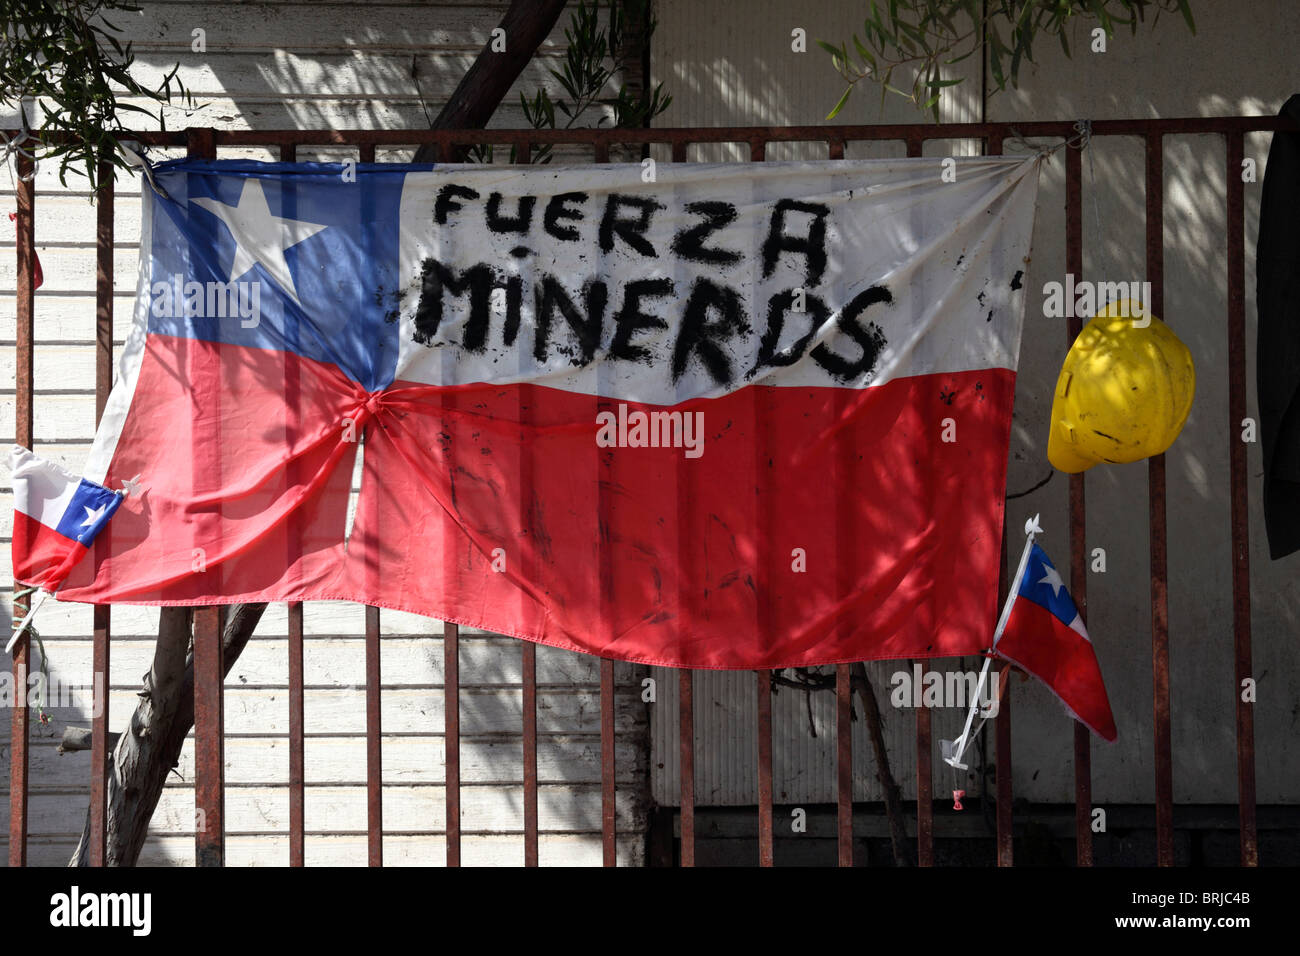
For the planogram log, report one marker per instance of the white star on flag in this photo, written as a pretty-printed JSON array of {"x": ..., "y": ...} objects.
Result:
[
  {"x": 259, "y": 236},
  {"x": 93, "y": 515},
  {"x": 1053, "y": 579}
]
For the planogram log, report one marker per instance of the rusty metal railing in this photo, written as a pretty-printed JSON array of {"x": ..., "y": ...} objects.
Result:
[{"x": 209, "y": 776}]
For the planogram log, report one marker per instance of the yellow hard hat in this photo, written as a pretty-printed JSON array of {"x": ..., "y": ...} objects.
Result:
[{"x": 1125, "y": 390}]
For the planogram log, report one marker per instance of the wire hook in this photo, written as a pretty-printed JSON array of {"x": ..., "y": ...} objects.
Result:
[{"x": 1080, "y": 140}]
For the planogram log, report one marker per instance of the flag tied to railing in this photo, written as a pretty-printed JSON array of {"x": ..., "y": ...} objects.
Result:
[{"x": 733, "y": 416}]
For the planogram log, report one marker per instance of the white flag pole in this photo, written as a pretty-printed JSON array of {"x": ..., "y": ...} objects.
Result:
[
  {"x": 956, "y": 748},
  {"x": 18, "y": 631}
]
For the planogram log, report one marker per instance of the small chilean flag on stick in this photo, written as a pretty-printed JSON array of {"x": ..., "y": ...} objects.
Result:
[
  {"x": 1041, "y": 632},
  {"x": 56, "y": 517}
]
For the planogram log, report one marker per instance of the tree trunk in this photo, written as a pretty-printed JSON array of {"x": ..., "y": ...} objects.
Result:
[
  {"x": 151, "y": 748},
  {"x": 526, "y": 24},
  {"x": 893, "y": 801}
]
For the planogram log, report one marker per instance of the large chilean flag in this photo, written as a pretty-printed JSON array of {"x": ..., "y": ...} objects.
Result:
[{"x": 707, "y": 416}]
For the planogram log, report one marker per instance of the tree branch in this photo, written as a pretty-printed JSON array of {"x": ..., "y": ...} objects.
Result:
[
  {"x": 162, "y": 720},
  {"x": 810, "y": 682},
  {"x": 78, "y": 738},
  {"x": 893, "y": 802}
]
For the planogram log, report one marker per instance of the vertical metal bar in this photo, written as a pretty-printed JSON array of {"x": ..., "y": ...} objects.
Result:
[
  {"x": 99, "y": 748},
  {"x": 608, "y": 823},
  {"x": 297, "y": 724},
  {"x": 530, "y": 753},
  {"x": 686, "y": 717},
  {"x": 608, "y": 796},
  {"x": 843, "y": 688},
  {"x": 102, "y": 618},
  {"x": 1002, "y": 765},
  {"x": 374, "y": 728},
  {"x": 451, "y": 731},
  {"x": 297, "y": 764},
  {"x": 374, "y": 744},
  {"x": 1241, "y": 637},
  {"x": 924, "y": 788},
  {"x": 1078, "y": 522},
  {"x": 844, "y": 764},
  {"x": 209, "y": 746},
  {"x": 924, "y": 746},
  {"x": 994, "y": 142},
  {"x": 523, "y": 156},
  {"x": 1005, "y": 818},
  {"x": 18, "y": 743},
  {"x": 1003, "y": 772},
  {"x": 209, "y": 675},
  {"x": 686, "y": 702},
  {"x": 1156, "y": 509},
  {"x": 26, "y": 249},
  {"x": 1005, "y": 822},
  {"x": 200, "y": 142},
  {"x": 763, "y": 687},
  {"x": 763, "y": 683},
  {"x": 103, "y": 288},
  {"x": 1005, "y": 842}
]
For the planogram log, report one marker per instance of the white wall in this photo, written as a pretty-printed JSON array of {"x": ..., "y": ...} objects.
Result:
[{"x": 312, "y": 66}]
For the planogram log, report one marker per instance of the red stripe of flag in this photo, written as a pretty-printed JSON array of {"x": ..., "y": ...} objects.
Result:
[{"x": 1037, "y": 641}]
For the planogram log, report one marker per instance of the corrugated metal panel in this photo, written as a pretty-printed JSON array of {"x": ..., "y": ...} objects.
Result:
[{"x": 803, "y": 750}]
